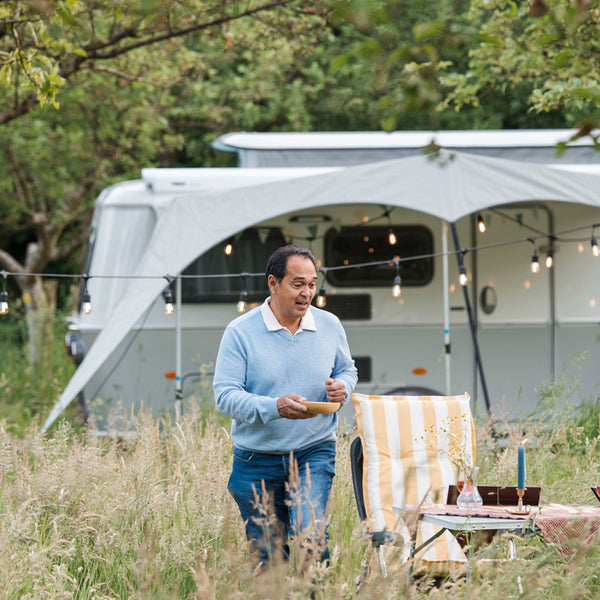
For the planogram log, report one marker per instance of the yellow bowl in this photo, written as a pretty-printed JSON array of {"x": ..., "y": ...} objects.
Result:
[{"x": 322, "y": 408}]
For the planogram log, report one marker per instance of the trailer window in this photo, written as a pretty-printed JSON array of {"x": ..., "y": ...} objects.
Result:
[
  {"x": 250, "y": 251},
  {"x": 364, "y": 244}
]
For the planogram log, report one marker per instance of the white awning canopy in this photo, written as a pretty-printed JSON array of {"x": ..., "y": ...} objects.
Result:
[{"x": 449, "y": 185}]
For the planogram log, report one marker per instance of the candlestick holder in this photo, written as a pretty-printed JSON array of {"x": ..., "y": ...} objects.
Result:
[{"x": 521, "y": 509}]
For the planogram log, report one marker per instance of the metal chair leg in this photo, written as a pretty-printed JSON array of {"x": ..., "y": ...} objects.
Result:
[
  {"x": 381, "y": 561},
  {"x": 512, "y": 555}
]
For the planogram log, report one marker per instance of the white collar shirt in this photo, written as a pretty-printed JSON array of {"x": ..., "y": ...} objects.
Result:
[{"x": 307, "y": 323}]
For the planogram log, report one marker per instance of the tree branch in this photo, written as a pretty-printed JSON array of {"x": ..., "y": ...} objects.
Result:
[
  {"x": 9, "y": 262},
  {"x": 93, "y": 50},
  {"x": 120, "y": 74}
]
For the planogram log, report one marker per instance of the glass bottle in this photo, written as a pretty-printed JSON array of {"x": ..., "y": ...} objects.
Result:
[{"x": 469, "y": 497}]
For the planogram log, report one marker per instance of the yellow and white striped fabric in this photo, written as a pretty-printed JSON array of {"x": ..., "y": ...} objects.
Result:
[{"x": 407, "y": 442}]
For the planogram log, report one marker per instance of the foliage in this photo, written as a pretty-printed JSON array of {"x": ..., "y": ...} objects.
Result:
[
  {"x": 45, "y": 42},
  {"x": 449, "y": 439},
  {"x": 546, "y": 45},
  {"x": 472, "y": 65},
  {"x": 132, "y": 80},
  {"x": 27, "y": 391}
]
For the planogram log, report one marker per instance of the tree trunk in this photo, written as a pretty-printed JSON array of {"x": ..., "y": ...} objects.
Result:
[{"x": 40, "y": 302}]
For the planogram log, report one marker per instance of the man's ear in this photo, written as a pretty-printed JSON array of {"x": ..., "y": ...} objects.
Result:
[{"x": 272, "y": 282}]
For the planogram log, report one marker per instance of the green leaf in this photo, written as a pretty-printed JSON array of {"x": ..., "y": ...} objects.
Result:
[
  {"x": 561, "y": 148},
  {"x": 5, "y": 75},
  {"x": 563, "y": 58},
  {"x": 338, "y": 62},
  {"x": 429, "y": 29},
  {"x": 590, "y": 93},
  {"x": 389, "y": 124}
]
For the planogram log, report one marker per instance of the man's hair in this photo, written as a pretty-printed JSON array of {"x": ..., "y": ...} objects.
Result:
[{"x": 277, "y": 263}]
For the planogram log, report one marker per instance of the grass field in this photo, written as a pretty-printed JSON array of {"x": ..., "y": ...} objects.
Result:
[{"x": 149, "y": 516}]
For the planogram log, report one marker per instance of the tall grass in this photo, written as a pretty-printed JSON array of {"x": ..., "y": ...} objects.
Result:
[
  {"x": 148, "y": 516},
  {"x": 28, "y": 392}
]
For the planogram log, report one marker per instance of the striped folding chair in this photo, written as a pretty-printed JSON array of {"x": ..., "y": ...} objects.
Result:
[{"x": 407, "y": 447}]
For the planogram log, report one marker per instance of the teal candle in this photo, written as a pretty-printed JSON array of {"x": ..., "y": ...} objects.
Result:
[{"x": 521, "y": 468}]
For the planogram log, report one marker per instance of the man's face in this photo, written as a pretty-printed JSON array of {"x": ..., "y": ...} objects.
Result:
[{"x": 291, "y": 298}]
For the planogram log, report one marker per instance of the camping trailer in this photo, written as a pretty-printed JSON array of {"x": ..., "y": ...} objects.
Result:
[{"x": 499, "y": 338}]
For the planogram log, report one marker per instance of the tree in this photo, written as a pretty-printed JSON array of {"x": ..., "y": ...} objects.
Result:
[
  {"x": 551, "y": 47},
  {"x": 452, "y": 64},
  {"x": 116, "y": 70}
]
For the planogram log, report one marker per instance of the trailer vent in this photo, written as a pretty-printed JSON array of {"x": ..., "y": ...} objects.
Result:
[
  {"x": 364, "y": 366},
  {"x": 350, "y": 306}
]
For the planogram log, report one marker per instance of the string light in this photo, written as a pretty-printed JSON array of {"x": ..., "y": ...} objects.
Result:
[
  {"x": 463, "y": 278},
  {"x": 392, "y": 237},
  {"x": 550, "y": 259},
  {"x": 480, "y": 223},
  {"x": 594, "y": 243},
  {"x": 168, "y": 297},
  {"x": 86, "y": 300},
  {"x": 3, "y": 296},
  {"x": 396, "y": 289},
  {"x": 86, "y": 306},
  {"x": 242, "y": 304},
  {"x": 321, "y": 301},
  {"x": 535, "y": 260},
  {"x": 321, "y": 297},
  {"x": 228, "y": 248}
]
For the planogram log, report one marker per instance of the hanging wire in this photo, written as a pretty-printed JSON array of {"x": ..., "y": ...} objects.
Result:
[{"x": 533, "y": 239}]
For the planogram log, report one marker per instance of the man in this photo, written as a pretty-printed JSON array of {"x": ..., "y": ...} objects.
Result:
[{"x": 272, "y": 360}]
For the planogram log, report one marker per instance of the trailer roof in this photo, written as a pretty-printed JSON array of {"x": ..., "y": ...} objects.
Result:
[{"x": 519, "y": 138}]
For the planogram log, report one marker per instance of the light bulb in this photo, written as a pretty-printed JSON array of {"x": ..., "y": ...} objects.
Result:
[
  {"x": 549, "y": 259},
  {"x": 242, "y": 302},
  {"x": 3, "y": 303},
  {"x": 480, "y": 223},
  {"x": 228, "y": 249},
  {"x": 535, "y": 263},
  {"x": 392, "y": 238},
  {"x": 463, "y": 279},
  {"x": 321, "y": 298},
  {"x": 595, "y": 249},
  {"x": 86, "y": 303},
  {"x": 396, "y": 290},
  {"x": 168, "y": 296}
]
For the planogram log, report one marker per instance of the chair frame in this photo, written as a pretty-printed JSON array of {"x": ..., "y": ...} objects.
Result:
[{"x": 377, "y": 538}]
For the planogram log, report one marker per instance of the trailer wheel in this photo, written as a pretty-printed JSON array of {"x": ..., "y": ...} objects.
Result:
[{"x": 414, "y": 390}]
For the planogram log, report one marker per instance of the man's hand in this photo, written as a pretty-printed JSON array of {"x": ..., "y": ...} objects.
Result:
[
  {"x": 290, "y": 407},
  {"x": 336, "y": 390}
]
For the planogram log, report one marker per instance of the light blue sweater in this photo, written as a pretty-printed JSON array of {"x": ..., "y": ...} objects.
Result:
[{"x": 256, "y": 366}]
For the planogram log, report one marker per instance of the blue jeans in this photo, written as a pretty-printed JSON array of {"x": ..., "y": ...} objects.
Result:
[{"x": 279, "y": 497}]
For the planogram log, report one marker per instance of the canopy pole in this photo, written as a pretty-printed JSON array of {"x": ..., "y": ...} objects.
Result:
[
  {"x": 178, "y": 379},
  {"x": 446, "y": 284},
  {"x": 459, "y": 258}
]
